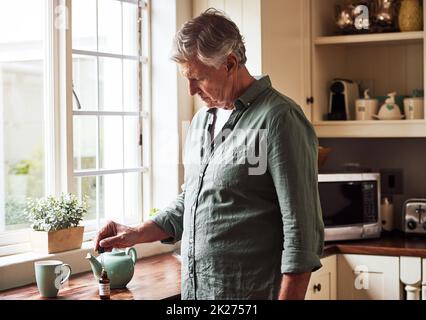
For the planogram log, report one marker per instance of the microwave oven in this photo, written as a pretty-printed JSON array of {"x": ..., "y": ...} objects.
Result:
[{"x": 350, "y": 204}]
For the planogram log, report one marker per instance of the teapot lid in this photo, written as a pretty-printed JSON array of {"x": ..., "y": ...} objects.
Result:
[{"x": 115, "y": 252}]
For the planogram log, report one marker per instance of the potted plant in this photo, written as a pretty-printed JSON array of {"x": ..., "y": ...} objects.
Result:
[{"x": 55, "y": 223}]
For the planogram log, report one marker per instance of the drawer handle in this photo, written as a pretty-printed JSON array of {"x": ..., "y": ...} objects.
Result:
[{"x": 317, "y": 287}]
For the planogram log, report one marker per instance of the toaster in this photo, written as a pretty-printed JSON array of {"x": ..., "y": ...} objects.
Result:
[{"x": 414, "y": 214}]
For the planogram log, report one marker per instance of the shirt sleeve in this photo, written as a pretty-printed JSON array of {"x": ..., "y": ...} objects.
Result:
[
  {"x": 170, "y": 219},
  {"x": 292, "y": 163}
]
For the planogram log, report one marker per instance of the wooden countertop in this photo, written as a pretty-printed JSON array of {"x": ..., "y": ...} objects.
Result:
[
  {"x": 389, "y": 244},
  {"x": 155, "y": 278},
  {"x": 158, "y": 277}
]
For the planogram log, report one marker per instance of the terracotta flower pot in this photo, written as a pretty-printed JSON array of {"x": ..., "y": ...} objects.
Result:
[{"x": 57, "y": 241}]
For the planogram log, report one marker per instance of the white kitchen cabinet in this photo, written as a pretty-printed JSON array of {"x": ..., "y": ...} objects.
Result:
[
  {"x": 295, "y": 43},
  {"x": 322, "y": 285},
  {"x": 368, "y": 277}
]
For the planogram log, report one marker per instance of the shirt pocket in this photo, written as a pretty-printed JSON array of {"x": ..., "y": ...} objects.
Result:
[{"x": 233, "y": 171}]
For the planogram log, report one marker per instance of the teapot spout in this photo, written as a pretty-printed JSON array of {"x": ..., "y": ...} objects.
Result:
[{"x": 95, "y": 264}]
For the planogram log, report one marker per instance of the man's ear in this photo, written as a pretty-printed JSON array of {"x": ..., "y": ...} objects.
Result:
[{"x": 231, "y": 63}]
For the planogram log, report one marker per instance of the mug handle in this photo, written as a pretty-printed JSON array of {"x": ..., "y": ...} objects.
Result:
[{"x": 68, "y": 274}]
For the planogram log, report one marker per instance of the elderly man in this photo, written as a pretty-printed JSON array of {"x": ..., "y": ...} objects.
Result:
[{"x": 248, "y": 232}]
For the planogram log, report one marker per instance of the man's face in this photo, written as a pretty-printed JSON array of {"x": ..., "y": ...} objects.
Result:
[{"x": 213, "y": 85}]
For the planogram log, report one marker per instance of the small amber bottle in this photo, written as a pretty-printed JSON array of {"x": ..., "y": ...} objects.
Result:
[{"x": 104, "y": 286}]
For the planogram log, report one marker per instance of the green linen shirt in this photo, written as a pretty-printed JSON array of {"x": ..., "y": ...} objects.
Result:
[{"x": 250, "y": 209}]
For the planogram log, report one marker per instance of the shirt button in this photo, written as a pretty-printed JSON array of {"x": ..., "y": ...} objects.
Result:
[
  {"x": 191, "y": 240},
  {"x": 191, "y": 275}
]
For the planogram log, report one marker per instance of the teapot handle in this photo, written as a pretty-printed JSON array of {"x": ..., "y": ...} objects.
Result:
[{"x": 132, "y": 253}]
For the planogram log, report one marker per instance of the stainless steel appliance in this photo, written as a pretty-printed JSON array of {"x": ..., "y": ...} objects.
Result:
[
  {"x": 350, "y": 204},
  {"x": 414, "y": 213}
]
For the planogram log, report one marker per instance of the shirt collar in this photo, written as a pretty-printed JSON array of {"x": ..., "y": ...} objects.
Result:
[
  {"x": 254, "y": 91},
  {"x": 247, "y": 98}
]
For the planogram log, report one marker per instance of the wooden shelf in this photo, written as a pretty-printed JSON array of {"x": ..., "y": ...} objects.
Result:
[
  {"x": 371, "y": 38},
  {"x": 371, "y": 129}
]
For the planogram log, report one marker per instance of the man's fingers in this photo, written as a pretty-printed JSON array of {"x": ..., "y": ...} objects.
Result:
[
  {"x": 111, "y": 241},
  {"x": 106, "y": 231}
]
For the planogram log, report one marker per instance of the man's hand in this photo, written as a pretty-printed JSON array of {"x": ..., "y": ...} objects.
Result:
[
  {"x": 115, "y": 235},
  {"x": 294, "y": 285}
]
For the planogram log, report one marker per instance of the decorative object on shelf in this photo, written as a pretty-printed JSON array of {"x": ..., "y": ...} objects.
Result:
[
  {"x": 353, "y": 18},
  {"x": 344, "y": 19},
  {"x": 385, "y": 16},
  {"x": 410, "y": 16},
  {"x": 118, "y": 263},
  {"x": 360, "y": 17},
  {"x": 55, "y": 223},
  {"x": 399, "y": 100},
  {"x": 389, "y": 110},
  {"x": 366, "y": 107},
  {"x": 414, "y": 108},
  {"x": 322, "y": 156}
]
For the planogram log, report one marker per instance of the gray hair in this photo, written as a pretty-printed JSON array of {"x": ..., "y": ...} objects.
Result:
[{"x": 210, "y": 37}]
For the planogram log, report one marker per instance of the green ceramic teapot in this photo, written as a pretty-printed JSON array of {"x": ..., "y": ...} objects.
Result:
[{"x": 118, "y": 264}]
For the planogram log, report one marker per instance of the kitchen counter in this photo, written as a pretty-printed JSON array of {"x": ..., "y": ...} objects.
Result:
[
  {"x": 389, "y": 244},
  {"x": 158, "y": 277},
  {"x": 155, "y": 278}
]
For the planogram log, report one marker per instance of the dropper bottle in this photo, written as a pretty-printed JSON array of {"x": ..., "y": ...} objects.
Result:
[{"x": 104, "y": 282}]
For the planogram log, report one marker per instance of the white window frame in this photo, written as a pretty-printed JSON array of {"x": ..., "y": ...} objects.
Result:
[
  {"x": 58, "y": 117},
  {"x": 12, "y": 242},
  {"x": 92, "y": 226}
]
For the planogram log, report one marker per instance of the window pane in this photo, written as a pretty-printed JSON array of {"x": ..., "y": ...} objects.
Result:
[
  {"x": 85, "y": 187},
  {"x": 131, "y": 85},
  {"x": 110, "y": 84},
  {"x": 85, "y": 80},
  {"x": 85, "y": 142},
  {"x": 84, "y": 24},
  {"x": 130, "y": 29},
  {"x": 132, "y": 197},
  {"x": 132, "y": 150},
  {"x": 21, "y": 108},
  {"x": 110, "y": 28},
  {"x": 111, "y": 196},
  {"x": 111, "y": 144}
]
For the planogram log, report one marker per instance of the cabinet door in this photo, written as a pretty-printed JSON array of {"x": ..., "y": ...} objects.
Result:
[
  {"x": 361, "y": 277},
  {"x": 322, "y": 285},
  {"x": 286, "y": 44}
]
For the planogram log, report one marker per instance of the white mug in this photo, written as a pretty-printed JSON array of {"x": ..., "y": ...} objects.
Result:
[
  {"x": 366, "y": 108},
  {"x": 414, "y": 108}
]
